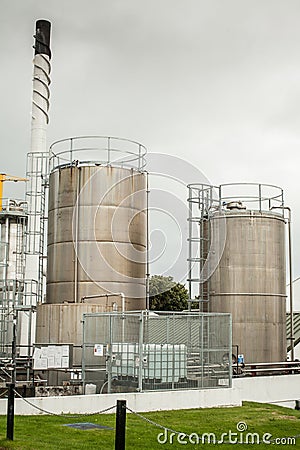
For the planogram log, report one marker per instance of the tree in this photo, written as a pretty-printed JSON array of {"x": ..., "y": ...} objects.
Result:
[{"x": 167, "y": 295}]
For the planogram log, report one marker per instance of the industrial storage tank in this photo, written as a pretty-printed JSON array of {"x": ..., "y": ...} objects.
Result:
[
  {"x": 97, "y": 221},
  {"x": 97, "y": 235},
  {"x": 243, "y": 227},
  {"x": 13, "y": 221}
]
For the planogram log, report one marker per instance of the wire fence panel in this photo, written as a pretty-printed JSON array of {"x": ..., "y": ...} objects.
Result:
[{"x": 142, "y": 351}]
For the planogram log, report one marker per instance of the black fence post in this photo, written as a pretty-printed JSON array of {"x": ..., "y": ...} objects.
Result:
[
  {"x": 10, "y": 411},
  {"x": 120, "y": 425}
]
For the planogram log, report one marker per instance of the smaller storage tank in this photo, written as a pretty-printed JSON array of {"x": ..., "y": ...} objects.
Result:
[
  {"x": 249, "y": 280},
  {"x": 13, "y": 220}
]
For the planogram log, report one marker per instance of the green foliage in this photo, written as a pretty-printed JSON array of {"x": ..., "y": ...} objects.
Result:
[{"x": 167, "y": 295}]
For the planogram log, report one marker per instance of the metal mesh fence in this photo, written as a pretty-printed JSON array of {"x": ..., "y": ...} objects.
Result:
[{"x": 140, "y": 351}]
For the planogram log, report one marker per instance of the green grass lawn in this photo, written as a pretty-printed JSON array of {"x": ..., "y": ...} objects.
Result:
[{"x": 48, "y": 432}]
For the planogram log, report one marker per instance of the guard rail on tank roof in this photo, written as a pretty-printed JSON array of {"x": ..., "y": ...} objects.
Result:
[
  {"x": 254, "y": 196},
  {"x": 200, "y": 192},
  {"x": 14, "y": 205},
  {"x": 102, "y": 150}
]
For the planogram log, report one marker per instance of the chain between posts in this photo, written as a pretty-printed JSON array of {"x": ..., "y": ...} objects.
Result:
[
  {"x": 151, "y": 422},
  {"x": 64, "y": 415},
  {"x": 121, "y": 420}
]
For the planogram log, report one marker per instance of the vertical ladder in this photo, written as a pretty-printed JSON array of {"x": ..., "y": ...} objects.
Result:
[
  {"x": 200, "y": 202},
  {"x": 43, "y": 230}
]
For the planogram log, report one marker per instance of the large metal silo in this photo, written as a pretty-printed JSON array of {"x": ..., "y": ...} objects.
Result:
[
  {"x": 97, "y": 223},
  {"x": 248, "y": 275},
  {"x": 97, "y": 236}
]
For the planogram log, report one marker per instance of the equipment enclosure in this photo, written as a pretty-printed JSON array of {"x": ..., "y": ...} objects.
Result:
[{"x": 142, "y": 351}]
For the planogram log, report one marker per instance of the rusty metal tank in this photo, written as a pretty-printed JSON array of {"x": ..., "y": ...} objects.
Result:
[
  {"x": 97, "y": 222},
  {"x": 249, "y": 280}
]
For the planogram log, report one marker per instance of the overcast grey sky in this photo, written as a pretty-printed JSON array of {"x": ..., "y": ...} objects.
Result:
[{"x": 215, "y": 82}]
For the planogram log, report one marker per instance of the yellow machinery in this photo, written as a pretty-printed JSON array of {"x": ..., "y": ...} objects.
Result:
[{"x": 5, "y": 177}]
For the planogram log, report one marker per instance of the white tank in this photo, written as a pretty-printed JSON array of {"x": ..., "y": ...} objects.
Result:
[{"x": 13, "y": 219}]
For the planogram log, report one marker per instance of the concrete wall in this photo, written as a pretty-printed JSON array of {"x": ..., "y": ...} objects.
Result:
[
  {"x": 258, "y": 389},
  {"x": 274, "y": 389},
  {"x": 142, "y": 401}
]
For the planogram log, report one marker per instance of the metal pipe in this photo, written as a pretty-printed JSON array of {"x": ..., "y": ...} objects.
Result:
[
  {"x": 7, "y": 250},
  {"x": 252, "y": 294},
  {"x": 291, "y": 288},
  {"x": 76, "y": 238},
  {"x": 2, "y": 179},
  {"x": 5, "y": 289},
  {"x": 83, "y": 366},
  {"x": 109, "y": 355},
  {"x": 147, "y": 247},
  {"x": 108, "y": 150},
  {"x": 141, "y": 344},
  {"x": 190, "y": 249},
  {"x": 290, "y": 275},
  {"x": 116, "y": 294}
]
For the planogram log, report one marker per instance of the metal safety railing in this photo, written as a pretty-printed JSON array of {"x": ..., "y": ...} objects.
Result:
[
  {"x": 101, "y": 150},
  {"x": 204, "y": 243}
]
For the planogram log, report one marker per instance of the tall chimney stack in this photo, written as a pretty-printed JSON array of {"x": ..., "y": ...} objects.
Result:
[
  {"x": 42, "y": 38},
  {"x": 38, "y": 157},
  {"x": 41, "y": 82},
  {"x": 37, "y": 173}
]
